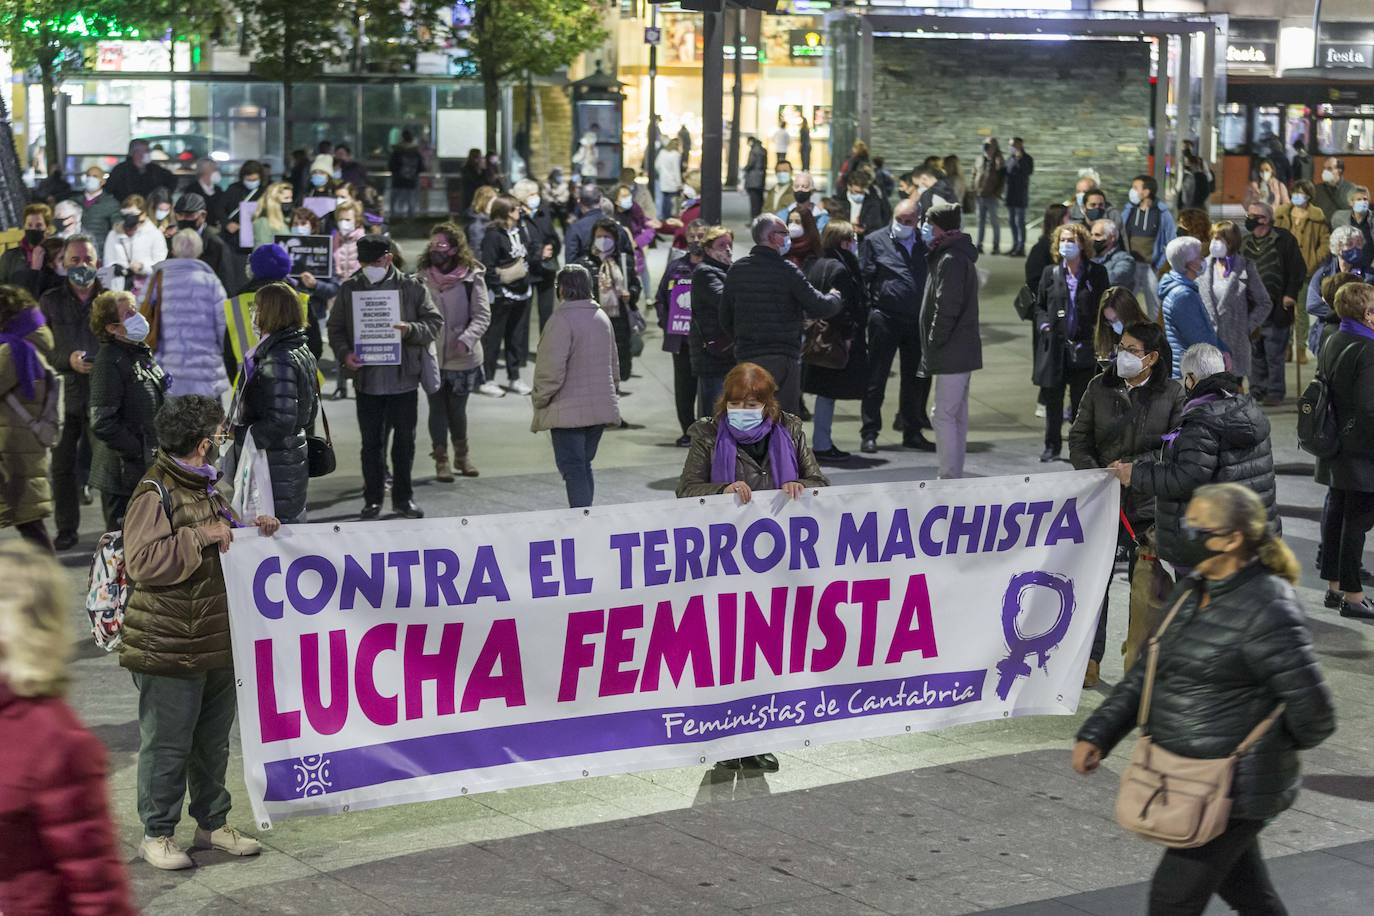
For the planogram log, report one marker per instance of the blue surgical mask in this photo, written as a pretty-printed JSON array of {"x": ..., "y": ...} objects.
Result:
[
  {"x": 1351, "y": 255},
  {"x": 901, "y": 231},
  {"x": 1134, "y": 197},
  {"x": 927, "y": 234},
  {"x": 252, "y": 184},
  {"x": 318, "y": 179},
  {"x": 1068, "y": 250},
  {"x": 786, "y": 245},
  {"x": 1360, "y": 206},
  {"x": 1118, "y": 327},
  {"x": 1299, "y": 200},
  {"x": 135, "y": 327},
  {"x": 744, "y": 418}
]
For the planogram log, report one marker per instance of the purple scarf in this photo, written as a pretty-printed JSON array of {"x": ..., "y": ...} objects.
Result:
[
  {"x": 28, "y": 368},
  {"x": 782, "y": 457},
  {"x": 1359, "y": 328}
]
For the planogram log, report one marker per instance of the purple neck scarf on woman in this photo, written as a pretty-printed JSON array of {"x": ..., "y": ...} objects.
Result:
[
  {"x": 28, "y": 368},
  {"x": 782, "y": 457},
  {"x": 1358, "y": 328}
]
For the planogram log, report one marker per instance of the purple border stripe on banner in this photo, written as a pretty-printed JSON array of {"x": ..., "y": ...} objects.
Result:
[{"x": 356, "y": 768}]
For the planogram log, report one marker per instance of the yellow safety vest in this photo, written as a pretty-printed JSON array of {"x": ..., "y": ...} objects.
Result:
[{"x": 238, "y": 321}]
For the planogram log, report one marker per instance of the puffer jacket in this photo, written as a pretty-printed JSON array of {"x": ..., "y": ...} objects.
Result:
[
  {"x": 190, "y": 342},
  {"x": 1115, "y": 423},
  {"x": 127, "y": 388},
  {"x": 177, "y": 620},
  {"x": 1347, "y": 361},
  {"x": 1222, "y": 669},
  {"x": 695, "y": 479},
  {"x": 765, "y": 300},
  {"x": 711, "y": 348},
  {"x": 25, "y": 495},
  {"x": 1222, "y": 437},
  {"x": 279, "y": 401},
  {"x": 1185, "y": 317},
  {"x": 58, "y": 853}
]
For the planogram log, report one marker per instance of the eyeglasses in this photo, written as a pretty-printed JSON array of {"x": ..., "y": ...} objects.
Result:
[{"x": 1134, "y": 351}]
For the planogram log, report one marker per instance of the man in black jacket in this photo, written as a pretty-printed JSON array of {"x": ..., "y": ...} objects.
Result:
[
  {"x": 578, "y": 238},
  {"x": 766, "y": 299},
  {"x": 893, "y": 263},
  {"x": 67, "y": 309},
  {"x": 405, "y": 165},
  {"x": 1020, "y": 165},
  {"x": 138, "y": 174},
  {"x": 1277, "y": 257},
  {"x": 1222, "y": 437}
]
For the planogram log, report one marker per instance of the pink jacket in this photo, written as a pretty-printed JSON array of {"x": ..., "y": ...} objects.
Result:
[
  {"x": 576, "y": 369},
  {"x": 346, "y": 254}
]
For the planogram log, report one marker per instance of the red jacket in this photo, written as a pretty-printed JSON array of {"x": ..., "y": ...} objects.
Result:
[{"x": 57, "y": 846}]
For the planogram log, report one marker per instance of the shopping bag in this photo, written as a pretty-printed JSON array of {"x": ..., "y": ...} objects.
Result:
[{"x": 252, "y": 482}]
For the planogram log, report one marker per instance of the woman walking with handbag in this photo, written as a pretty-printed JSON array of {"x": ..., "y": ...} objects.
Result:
[
  {"x": 835, "y": 352},
  {"x": 1230, "y": 690},
  {"x": 1066, "y": 317}
]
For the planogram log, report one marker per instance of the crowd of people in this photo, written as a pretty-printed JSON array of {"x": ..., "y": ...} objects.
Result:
[{"x": 185, "y": 337}]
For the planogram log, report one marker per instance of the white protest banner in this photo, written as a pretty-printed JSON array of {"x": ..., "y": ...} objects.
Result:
[
  {"x": 375, "y": 339},
  {"x": 400, "y": 661}
]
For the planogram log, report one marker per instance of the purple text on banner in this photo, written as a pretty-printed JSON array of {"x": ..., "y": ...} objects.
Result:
[{"x": 359, "y": 767}]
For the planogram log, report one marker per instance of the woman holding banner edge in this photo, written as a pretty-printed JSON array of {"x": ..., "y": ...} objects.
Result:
[{"x": 749, "y": 444}]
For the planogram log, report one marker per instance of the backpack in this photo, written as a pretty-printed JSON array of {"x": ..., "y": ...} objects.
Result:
[
  {"x": 1318, "y": 431},
  {"x": 107, "y": 587}
]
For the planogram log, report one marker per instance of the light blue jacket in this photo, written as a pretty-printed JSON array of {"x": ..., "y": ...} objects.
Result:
[{"x": 1185, "y": 317}]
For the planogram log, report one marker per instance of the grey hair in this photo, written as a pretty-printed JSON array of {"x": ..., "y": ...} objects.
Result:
[
  {"x": 1109, "y": 228},
  {"x": 1202, "y": 360},
  {"x": 1267, "y": 210},
  {"x": 524, "y": 188},
  {"x": 1341, "y": 237},
  {"x": 574, "y": 282},
  {"x": 764, "y": 224},
  {"x": 78, "y": 239},
  {"x": 1182, "y": 251},
  {"x": 1356, "y": 192},
  {"x": 182, "y": 422},
  {"x": 187, "y": 243}
]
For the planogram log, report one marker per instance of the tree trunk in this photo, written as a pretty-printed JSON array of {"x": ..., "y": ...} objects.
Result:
[
  {"x": 52, "y": 155},
  {"x": 491, "y": 98}
]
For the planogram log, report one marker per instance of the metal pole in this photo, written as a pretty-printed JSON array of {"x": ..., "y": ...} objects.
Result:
[
  {"x": 654, "y": 138},
  {"x": 712, "y": 112},
  {"x": 737, "y": 94},
  {"x": 1316, "y": 56},
  {"x": 1183, "y": 100},
  {"x": 1207, "y": 147},
  {"x": 1161, "y": 107}
]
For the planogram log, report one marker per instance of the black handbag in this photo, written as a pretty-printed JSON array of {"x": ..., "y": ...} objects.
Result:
[
  {"x": 320, "y": 459},
  {"x": 825, "y": 345},
  {"x": 1079, "y": 355},
  {"x": 1025, "y": 303}
]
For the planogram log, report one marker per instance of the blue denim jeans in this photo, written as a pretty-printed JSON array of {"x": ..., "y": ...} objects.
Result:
[
  {"x": 822, "y": 417},
  {"x": 1016, "y": 218},
  {"x": 573, "y": 451},
  {"x": 987, "y": 211},
  {"x": 709, "y": 388}
]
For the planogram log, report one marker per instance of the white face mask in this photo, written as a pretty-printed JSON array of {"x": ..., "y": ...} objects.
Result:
[
  {"x": 300, "y": 230},
  {"x": 605, "y": 244},
  {"x": 624, "y": 202},
  {"x": 91, "y": 184},
  {"x": 1329, "y": 176},
  {"x": 216, "y": 177},
  {"x": 1128, "y": 365},
  {"x": 374, "y": 273},
  {"x": 135, "y": 327},
  {"x": 1218, "y": 249},
  {"x": 1135, "y": 197},
  {"x": 345, "y": 226},
  {"x": 532, "y": 202},
  {"x": 162, "y": 213},
  {"x": 1266, "y": 175},
  {"x": 794, "y": 230}
]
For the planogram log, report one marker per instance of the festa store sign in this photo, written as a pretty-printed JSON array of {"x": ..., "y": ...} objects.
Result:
[{"x": 390, "y": 662}]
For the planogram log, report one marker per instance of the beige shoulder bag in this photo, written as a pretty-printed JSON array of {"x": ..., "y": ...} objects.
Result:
[{"x": 1177, "y": 801}]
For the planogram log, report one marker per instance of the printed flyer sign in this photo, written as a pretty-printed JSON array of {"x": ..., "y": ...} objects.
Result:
[
  {"x": 247, "y": 210},
  {"x": 375, "y": 341},
  {"x": 320, "y": 206},
  {"x": 390, "y": 662},
  {"x": 680, "y": 308},
  {"x": 312, "y": 254}
]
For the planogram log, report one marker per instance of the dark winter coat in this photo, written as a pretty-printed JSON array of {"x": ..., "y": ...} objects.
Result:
[
  {"x": 127, "y": 388},
  {"x": 1347, "y": 362},
  {"x": 1115, "y": 423},
  {"x": 710, "y": 346},
  {"x": 216, "y": 254},
  {"x": 950, "y": 339},
  {"x": 678, "y": 272},
  {"x": 1293, "y": 274},
  {"x": 70, "y": 321},
  {"x": 1052, "y": 314},
  {"x": 405, "y": 165},
  {"x": 766, "y": 299},
  {"x": 875, "y": 213},
  {"x": 894, "y": 280},
  {"x": 1222, "y": 437},
  {"x": 1222, "y": 669},
  {"x": 695, "y": 480},
  {"x": 1018, "y": 174},
  {"x": 58, "y": 851},
  {"x": 838, "y": 270},
  {"x": 498, "y": 251},
  {"x": 234, "y": 195},
  {"x": 755, "y": 168},
  {"x": 126, "y": 179},
  {"x": 540, "y": 229},
  {"x": 279, "y": 401}
]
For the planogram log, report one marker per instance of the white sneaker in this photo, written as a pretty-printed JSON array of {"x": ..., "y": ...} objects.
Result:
[
  {"x": 492, "y": 390},
  {"x": 1040, "y": 411},
  {"x": 163, "y": 852},
  {"x": 227, "y": 839},
  {"x": 518, "y": 387}
]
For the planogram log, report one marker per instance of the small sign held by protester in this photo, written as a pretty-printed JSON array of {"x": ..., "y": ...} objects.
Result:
[
  {"x": 312, "y": 254},
  {"x": 375, "y": 339}
]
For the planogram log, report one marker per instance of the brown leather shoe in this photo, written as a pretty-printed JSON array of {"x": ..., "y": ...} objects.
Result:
[{"x": 1092, "y": 676}]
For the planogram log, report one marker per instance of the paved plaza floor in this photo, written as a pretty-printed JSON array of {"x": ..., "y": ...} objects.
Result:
[{"x": 980, "y": 818}]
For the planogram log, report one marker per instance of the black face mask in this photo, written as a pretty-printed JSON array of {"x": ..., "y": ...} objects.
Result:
[
  {"x": 34, "y": 237},
  {"x": 801, "y": 196},
  {"x": 696, "y": 250},
  {"x": 1251, "y": 223},
  {"x": 131, "y": 221},
  {"x": 1192, "y": 549},
  {"x": 188, "y": 224},
  {"x": 1094, "y": 214},
  {"x": 1099, "y": 245}
]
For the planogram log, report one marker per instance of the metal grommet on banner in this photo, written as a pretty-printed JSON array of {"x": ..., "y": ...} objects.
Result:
[
  {"x": 923, "y": 485},
  {"x": 337, "y": 529},
  {"x": 702, "y": 502},
  {"x": 703, "y": 759},
  {"x": 807, "y": 742},
  {"x": 345, "y": 809},
  {"x": 585, "y": 773},
  {"x": 264, "y": 826},
  {"x": 1006, "y": 713},
  {"x": 465, "y": 521},
  {"x": 908, "y": 728},
  {"x": 586, "y": 512},
  {"x": 238, "y": 682},
  {"x": 464, "y": 790},
  {"x": 815, "y": 492},
  {"x": 1027, "y": 480},
  {"x": 1060, "y": 698}
]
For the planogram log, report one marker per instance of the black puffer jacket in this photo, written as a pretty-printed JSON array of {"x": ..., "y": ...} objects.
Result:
[
  {"x": 1222, "y": 669},
  {"x": 1222, "y": 437},
  {"x": 766, "y": 297},
  {"x": 1347, "y": 359},
  {"x": 278, "y": 404},
  {"x": 1117, "y": 424},
  {"x": 711, "y": 349},
  {"x": 127, "y": 388}
]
